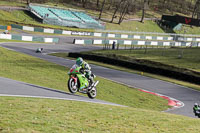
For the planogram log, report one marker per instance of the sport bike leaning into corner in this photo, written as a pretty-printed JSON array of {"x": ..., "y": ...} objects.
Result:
[
  {"x": 196, "y": 110},
  {"x": 81, "y": 79}
]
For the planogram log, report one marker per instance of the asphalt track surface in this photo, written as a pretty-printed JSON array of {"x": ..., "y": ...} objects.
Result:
[{"x": 186, "y": 95}]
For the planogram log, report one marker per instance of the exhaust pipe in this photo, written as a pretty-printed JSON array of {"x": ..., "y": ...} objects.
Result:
[{"x": 96, "y": 83}]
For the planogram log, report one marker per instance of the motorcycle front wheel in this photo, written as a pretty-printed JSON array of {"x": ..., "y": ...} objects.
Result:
[
  {"x": 72, "y": 86},
  {"x": 92, "y": 93}
]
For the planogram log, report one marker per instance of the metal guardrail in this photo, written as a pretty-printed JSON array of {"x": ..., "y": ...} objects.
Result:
[
  {"x": 146, "y": 33},
  {"x": 136, "y": 42}
]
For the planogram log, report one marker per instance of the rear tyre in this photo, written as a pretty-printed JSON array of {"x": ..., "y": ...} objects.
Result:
[
  {"x": 72, "y": 86},
  {"x": 92, "y": 93}
]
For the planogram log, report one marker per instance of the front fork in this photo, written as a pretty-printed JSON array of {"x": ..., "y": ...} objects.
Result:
[{"x": 75, "y": 79}]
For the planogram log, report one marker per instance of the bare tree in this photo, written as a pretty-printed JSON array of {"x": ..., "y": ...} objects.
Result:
[
  {"x": 27, "y": 1},
  {"x": 117, "y": 6},
  {"x": 110, "y": 4},
  {"x": 196, "y": 9},
  {"x": 84, "y": 2},
  {"x": 97, "y": 3},
  {"x": 124, "y": 10},
  {"x": 102, "y": 9},
  {"x": 143, "y": 10}
]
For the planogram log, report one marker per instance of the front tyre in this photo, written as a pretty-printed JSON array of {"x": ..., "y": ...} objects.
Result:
[
  {"x": 92, "y": 93},
  {"x": 72, "y": 85}
]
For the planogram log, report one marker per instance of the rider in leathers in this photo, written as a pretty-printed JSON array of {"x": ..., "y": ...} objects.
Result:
[
  {"x": 196, "y": 108},
  {"x": 86, "y": 68}
]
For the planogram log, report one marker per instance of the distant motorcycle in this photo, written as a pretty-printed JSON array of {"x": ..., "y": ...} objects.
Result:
[
  {"x": 39, "y": 50},
  {"x": 197, "y": 112},
  {"x": 78, "y": 82}
]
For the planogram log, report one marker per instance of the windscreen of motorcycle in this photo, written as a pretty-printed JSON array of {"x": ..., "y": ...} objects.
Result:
[{"x": 73, "y": 67}]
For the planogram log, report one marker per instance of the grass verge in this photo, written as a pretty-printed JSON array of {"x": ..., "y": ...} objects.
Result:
[
  {"x": 20, "y": 66},
  {"x": 147, "y": 26},
  {"x": 44, "y": 115}
]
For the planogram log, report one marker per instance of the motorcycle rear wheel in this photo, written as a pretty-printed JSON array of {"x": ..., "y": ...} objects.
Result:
[
  {"x": 92, "y": 93},
  {"x": 72, "y": 85}
]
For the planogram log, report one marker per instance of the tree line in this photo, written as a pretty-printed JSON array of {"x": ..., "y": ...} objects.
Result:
[{"x": 120, "y": 8}]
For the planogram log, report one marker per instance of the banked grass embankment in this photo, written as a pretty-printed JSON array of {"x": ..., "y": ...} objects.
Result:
[
  {"x": 29, "y": 69},
  {"x": 44, "y": 115}
]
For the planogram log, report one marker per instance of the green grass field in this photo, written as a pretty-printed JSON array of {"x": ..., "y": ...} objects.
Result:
[
  {"x": 187, "y": 29},
  {"x": 12, "y": 3},
  {"x": 29, "y": 115},
  {"x": 19, "y": 66},
  {"x": 147, "y": 26}
]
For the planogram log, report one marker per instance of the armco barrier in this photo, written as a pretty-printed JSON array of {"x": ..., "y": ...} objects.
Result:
[
  {"x": 17, "y": 26},
  {"x": 5, "y": 36},
  {"x": 56, "y": 40},
  {"x": 28, "y": 38},
  {"x": 89, "y": 42},
  {"x": 58, "y": 31},
  {"x": 172, "y": 72},
  {"x": 36, "y": 29},
  {"x": 105, "y": 35},
  {"x": 16, "y": 37},
  {"x": 38, "y": 39},
  {"x": 109, "y": 35},
  {"x": 136, "y": 42},
  {"x": 3, "y": 27}
]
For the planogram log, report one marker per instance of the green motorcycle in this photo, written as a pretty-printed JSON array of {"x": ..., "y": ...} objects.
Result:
[{"x": 78, "y": 82}]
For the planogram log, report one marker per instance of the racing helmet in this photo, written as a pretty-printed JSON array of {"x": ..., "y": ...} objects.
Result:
[
  {"x": 196, "y": 104},
  {"x": 79, "y": 61}
]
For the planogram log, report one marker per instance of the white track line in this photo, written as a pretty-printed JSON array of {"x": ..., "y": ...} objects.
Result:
[{"x": 57, "y": 98}]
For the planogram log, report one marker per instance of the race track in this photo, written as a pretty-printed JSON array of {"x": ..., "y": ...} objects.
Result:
[
  {"x": 20, "y": 89},
  {"x": 184, "y": 94}
]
